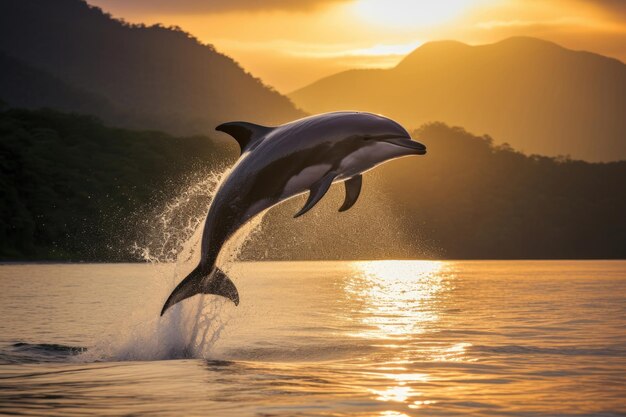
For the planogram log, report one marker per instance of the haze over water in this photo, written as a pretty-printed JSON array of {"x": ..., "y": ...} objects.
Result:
[{"x": 383, "y": 338}]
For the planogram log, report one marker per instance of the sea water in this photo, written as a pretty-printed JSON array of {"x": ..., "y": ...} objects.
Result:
[{"x": 363, "y": 338}]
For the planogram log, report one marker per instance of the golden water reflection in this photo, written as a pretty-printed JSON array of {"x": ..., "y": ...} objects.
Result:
[
  {"x": 395, "y": 298},
  {"x": 398, "y": 303},
  {"x": 392, "y": 413}
]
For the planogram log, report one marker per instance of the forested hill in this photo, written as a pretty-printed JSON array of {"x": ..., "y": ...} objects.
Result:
[
  {"x": 74, "y": 189},
  {"x": 23, "y": 86},
  {"x": 154, "y": 77},
  {"x": 477, "y": 199}
]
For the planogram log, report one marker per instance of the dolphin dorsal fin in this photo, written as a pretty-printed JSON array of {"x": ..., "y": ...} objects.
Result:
[{"x": 246, "y": 134}]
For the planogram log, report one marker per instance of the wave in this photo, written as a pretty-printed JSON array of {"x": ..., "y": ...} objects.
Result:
[
  {"x": 616, "y": 351},
  {"x": 22, "y": 352}
]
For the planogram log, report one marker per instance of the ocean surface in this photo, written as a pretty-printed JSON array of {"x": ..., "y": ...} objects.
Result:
[{"x": 381, "y": 338}]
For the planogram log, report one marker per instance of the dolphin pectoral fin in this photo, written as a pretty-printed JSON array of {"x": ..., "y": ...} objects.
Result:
[
  {"x": 353, "y": 189},
  {"x": 317, "y": 191}
]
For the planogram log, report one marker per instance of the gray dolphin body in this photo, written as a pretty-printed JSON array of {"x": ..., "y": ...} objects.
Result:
[{"x": 278, "y": 163}]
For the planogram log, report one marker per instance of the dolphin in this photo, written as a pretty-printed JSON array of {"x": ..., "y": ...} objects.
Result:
[{"x": 278, "y": 163}]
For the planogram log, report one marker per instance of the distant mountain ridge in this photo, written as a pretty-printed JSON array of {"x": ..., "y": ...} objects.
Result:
[
  {"x": 536, "y": 95},
  {"x": 24, "y": 86},
  {"x": 157, "y": 77}
]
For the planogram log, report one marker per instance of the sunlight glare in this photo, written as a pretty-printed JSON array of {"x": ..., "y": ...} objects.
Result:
[
  {"x": 397, "y": 296},
  {"x": 392, "y": 413},
  {"x": 392, "y": 270},
  {"x": 454, "y": 353}
]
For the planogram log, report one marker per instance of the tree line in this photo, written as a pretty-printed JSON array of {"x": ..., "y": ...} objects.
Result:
[{"x": 76, "y": 189}]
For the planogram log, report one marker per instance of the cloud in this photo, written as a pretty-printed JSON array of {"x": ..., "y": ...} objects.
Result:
[
  {"x": 378, "y": 50},
  {"x": 211, "y": 6},
  {"x": 595, "y": 16},
  {"x": 524, "y": 24},
  {"x": 613, "y": 6}
]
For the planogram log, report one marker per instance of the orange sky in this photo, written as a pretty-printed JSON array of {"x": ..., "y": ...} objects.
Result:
[{"x": 290, "y": 43}]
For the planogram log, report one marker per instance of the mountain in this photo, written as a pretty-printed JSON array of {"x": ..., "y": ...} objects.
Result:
[
  {"x": 26, "y": 87},
  {"x": 155, "y": 77},
  {"x": 533, "y": 94}
]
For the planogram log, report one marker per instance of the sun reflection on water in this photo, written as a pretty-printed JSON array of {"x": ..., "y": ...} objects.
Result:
[
  {"x": 396, "y": 394},
  {"x": 392, "y": 413},
  {"x": 398, "y": 304},
  {"x": 395, "y": 296},
  {"x": 454, "y": 353}
]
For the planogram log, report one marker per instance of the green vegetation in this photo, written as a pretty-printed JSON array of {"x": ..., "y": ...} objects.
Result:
[
  {"x": 477, "y": 200},
  {"x": 74, "y": 189}
]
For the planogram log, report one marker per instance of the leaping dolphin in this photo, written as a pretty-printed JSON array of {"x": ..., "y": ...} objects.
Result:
[{"x": 278, "y": 163}]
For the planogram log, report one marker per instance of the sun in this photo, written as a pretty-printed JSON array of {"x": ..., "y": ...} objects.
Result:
[{"x": 409, "y": 13}]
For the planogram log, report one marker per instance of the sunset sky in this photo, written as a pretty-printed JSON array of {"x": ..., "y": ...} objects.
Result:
[{"x": 290, "y": 44}]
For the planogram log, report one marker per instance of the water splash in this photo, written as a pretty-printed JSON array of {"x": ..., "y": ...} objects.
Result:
[{"x": 171, "y": 246}]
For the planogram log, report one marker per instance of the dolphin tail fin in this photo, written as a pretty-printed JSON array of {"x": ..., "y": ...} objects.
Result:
[{"x": 198, "y": 282}]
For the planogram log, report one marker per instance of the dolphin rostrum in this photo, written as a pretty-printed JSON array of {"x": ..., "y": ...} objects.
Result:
[{"x": 278, "y": 163}]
